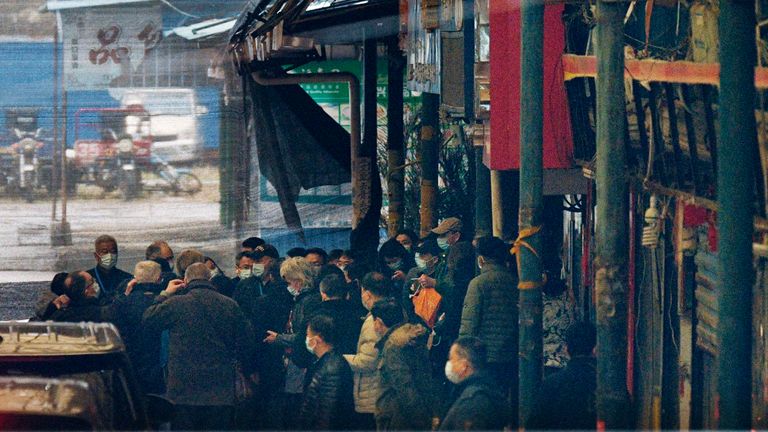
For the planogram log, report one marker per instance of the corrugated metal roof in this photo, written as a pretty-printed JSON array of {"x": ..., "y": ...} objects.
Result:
[{"x": 55, "y": 5}]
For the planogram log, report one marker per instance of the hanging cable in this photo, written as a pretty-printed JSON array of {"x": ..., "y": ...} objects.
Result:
[{"x": 167, "y": 3}]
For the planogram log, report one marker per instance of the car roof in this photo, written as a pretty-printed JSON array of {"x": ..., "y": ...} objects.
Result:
[
  {"x": 45, "y": 396},
  {"x": 56, "y": 339}
]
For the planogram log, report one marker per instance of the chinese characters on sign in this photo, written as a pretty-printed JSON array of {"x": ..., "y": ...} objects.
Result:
[{"x": 103, "y": 43}]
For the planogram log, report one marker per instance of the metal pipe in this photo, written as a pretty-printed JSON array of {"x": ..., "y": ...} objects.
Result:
[
  {"x": 631, "y": 294},
  {"x": 54, "y": 161},
  {"x": 354, "y": 106},
  {"x": 735, "y": 193},
  {"x": 611, "y": 258},
  {"x": 530, "y": 345}
]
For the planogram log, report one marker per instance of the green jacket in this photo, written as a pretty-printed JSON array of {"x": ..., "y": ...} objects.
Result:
[
  {"x": 490, "y": 312},
  {"x": 406, "y": 399}
]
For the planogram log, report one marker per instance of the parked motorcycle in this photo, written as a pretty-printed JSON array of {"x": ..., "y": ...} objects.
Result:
[
  {"x": 26, "y": 176},
  {"x": 128, "y": 175}
]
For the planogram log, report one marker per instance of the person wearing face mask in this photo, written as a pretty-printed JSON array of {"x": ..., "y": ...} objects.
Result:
[
  {"x": 108, "y": 277},
  {"x": 334, "y": 292},
  {"x": 395, "y": 262},
  {"x": 430, "y": 272},
  {"x": 249, "y": 287},
  {"x": 373, "y": 288},
  {"x": 490, "y": 312},
  {"x": 480, "y": 404},
  {"x": 298, "y": 275},
  {"x": 83, "y": 305},
  {"x": 327, "y": 403},
  {"x": 317, "y": 258},
  {"x": 160, "y": 252},
  {"x": 408, "y": 239}
]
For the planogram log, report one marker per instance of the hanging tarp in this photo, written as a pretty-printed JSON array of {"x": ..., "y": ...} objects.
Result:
[
  {"x": 299, "y": 146},
  {"x": 103, "y": 43}
]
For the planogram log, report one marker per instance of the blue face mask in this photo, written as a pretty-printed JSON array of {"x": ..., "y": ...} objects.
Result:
[{"x": 442, "y": 243}]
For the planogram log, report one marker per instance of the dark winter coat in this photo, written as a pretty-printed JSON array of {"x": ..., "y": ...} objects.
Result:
[
  {"x": 490, "y": 312},
  {"x": 84, "y": 310},
  {"x": 566, "y": 399},
  {"x": 109, "y": 281},
  {"x": 223, "y": 284},
  {"x": 141, "y": 343},
  {"x": 245, "y": 294},
  {"x": 348, "y": 325},
  {"x": 208, "y": 334},
  {"x": 407, "y": 392},
  {"x": 327, "y": 403},
  {"x": 480, "y": 406}
]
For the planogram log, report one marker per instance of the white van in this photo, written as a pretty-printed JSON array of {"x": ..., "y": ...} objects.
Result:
[{"x": 174, "y": 113}]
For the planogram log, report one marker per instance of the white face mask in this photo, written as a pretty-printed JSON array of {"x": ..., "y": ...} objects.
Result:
[
  {"x": 258, "y": 270},
  {"x": 442, "y": 242},
  {"x": 108, "y": 261},
  {"x": 450, "y": 374},
  {"x": 215, "y": 272},
  {"x": 310, "y": 346},
  {"x": 395, "y": 265},
  {"x": 245, "y": 273},
  {"x": 96, "y": 289}
]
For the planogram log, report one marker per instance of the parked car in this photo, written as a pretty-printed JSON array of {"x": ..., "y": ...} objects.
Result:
[{"x": 70, "y": 376}]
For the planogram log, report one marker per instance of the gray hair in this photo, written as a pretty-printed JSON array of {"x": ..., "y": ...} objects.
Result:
[
  {"x": 147, "y": 272},
  {"x": 297, "y": 268},
  {"x": 197, "y": 271}
]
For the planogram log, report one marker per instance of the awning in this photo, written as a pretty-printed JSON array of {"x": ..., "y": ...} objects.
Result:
[
  {"x": 55, "y": 5},
  {"x": 203, "y": 29}
]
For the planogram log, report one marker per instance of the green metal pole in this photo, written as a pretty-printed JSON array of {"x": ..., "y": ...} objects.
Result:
[
  {"x": 531, "y": 201},
  {"x": 735, "y": 194},
  {"x": 612, "y": 234}
]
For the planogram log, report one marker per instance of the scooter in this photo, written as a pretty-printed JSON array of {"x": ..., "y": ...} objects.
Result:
[{"x": 128, "y": 175}]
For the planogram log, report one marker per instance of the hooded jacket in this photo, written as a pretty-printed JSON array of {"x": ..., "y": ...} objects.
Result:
[{"x": 406, "y": 400}]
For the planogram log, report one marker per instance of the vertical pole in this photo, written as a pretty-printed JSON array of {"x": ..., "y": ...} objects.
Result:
[
  {"x": 430, "y": 150},
  {"x": 483, "y": 219},
  {"x": 56, "y": 149},
  {"x": 735, "y": 193},
  {"x": 504, "y": 201},
  {"x": 395, "y": 137},
  {"x": 365, "y": 235},
  {"x": 531, "y": 201},
  {"x": 612, "y": 249}
]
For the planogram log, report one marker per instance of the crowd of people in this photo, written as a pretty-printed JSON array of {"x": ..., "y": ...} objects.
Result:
[{"x": 424, "y": 338}]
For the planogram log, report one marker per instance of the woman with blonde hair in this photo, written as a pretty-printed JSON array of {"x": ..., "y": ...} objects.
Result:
[{"x": 298, "y": 275}]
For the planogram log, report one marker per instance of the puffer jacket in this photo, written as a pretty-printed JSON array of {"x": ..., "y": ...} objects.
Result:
[
  {"x": 363, "y": 364},
  {"x": 490, "y": 312},
  {"x": 327, "y": 403},
  {"x": 407, "y": 392},
  {"x": 480, "y": 406}
]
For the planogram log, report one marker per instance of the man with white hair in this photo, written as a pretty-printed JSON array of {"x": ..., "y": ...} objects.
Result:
[
  {"x": 208, "y": 333},
  {"x": 142, "y": 344}
]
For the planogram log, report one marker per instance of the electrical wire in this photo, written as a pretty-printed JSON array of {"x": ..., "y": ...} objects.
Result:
[{"x": 167, "y": 3}]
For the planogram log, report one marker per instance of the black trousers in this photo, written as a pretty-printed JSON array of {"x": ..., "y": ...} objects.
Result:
[{"x": 203, "y": 417}]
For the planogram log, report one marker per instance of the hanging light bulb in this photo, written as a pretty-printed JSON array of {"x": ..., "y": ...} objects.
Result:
[{"x": 652, "y": 227}]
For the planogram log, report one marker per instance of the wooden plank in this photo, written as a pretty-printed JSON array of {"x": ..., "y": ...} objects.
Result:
[{"x": 683, "y": 72}]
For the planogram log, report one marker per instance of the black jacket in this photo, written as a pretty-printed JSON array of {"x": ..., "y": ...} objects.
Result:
[
  {"x": 328, "y": 403},
  {"x": 84, "y": 310},
  {"x": 480, "y": 406},
  {"x": 141, "y": 343},
  {"x": 348, "y": 325},
  {"x": 110, "y": 282},
  {"x": 245, "y": 294},
  {"x": 566, "y": 399},
  {"x": 208, "y": 334}
]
